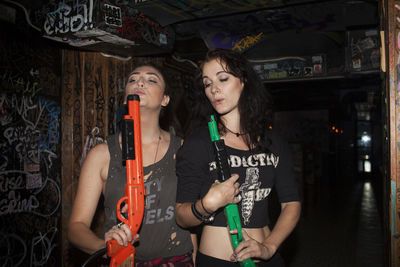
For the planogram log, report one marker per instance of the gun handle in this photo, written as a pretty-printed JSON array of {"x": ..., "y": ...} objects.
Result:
[{"x": 120, "y": 254}]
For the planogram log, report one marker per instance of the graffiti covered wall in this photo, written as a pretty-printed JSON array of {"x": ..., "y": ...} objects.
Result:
[
  {"x": 393, "y": 131},
  {"x": 30, "y": 177}
]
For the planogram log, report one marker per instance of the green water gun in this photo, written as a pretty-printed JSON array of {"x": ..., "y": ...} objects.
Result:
[{"x": 224, "y": 173}]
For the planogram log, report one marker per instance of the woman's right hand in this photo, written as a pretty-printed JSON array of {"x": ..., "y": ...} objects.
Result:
[
  {"x": 122, "y": 234},
  {"x": 221, "y": 194}
]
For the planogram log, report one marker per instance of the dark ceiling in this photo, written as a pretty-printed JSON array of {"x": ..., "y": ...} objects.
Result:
[
  {"x": 284, "y": 28},
  {"x": 262, "y": 29},
  {"x": 288, "y": 31}
]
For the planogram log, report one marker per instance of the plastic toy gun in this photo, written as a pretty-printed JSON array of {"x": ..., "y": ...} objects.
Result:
[
  {"x": 224, "y": 173},
  {"x": 134, "y": 189}
]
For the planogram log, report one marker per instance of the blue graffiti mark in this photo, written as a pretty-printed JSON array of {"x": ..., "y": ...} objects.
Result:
[{"x": 48, "y": 142}]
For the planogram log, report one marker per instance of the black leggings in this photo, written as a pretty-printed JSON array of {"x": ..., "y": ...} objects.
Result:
[{"x": 203, "y": 260}]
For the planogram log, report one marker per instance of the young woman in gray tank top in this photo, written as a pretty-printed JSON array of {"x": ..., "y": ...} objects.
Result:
[{"x": 160, "y": 239}]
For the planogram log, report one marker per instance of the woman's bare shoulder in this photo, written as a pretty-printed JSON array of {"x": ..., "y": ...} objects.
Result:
[
  {"x": 97, "y": 161},
  {"x": 102, "y": 147},
  {"x": 99, "y": 153}
]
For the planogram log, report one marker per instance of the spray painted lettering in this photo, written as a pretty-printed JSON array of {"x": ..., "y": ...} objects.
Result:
[{"x": 69, "y": 18}]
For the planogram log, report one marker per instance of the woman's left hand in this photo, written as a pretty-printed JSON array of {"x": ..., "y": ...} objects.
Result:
[{"x": 251, "y": 248}]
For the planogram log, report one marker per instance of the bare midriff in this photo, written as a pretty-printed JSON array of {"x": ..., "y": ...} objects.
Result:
[{"x": 216, "y": 241}]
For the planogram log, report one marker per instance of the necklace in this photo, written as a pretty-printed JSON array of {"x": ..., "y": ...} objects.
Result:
[
  {"x": 237, "y": 134},
  {"x": 158, "y": 144}
]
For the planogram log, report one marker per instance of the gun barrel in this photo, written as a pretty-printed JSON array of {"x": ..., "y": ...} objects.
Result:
[
  {"x": 224, "y": 173},
  {"x": 134, "y": 189}
]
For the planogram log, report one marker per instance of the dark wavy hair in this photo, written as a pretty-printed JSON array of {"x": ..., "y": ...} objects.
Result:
[
  {"x": 255, "y": 102},
  {"x": 166, "y": 117}
]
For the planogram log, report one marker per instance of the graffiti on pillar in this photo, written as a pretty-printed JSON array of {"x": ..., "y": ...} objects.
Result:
[
  {"x": 30, "y": 180},
  {"x": 397, "y": 48},
  {"x": 91, "y": 140}
]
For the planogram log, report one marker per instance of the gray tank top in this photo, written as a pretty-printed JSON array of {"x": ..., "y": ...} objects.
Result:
[{"x": 160, "y": 236}]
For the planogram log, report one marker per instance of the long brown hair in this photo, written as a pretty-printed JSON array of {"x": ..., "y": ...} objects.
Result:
[{"x": 255, "y": 102}]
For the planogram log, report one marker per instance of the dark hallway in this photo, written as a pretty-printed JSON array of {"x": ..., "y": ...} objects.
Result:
[
  {"x": 342, "y": 221},
  {"x": 340, "y": 226}
]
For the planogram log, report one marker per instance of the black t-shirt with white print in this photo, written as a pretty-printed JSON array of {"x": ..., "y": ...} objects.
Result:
[{"x": 258, "y": 173}]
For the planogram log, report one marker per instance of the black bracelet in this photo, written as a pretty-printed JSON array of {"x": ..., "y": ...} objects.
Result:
[
  {"x": 196, "y": 213},
  {"x": 202, "y": 205},
  {"x": 201, "y": 217}
]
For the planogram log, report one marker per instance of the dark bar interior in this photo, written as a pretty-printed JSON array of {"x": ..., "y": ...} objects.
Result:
[{"x": 331, "y": 67}]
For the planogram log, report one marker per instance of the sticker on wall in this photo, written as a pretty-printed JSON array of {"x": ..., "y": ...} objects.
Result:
[{"x": 112, "y": 15}]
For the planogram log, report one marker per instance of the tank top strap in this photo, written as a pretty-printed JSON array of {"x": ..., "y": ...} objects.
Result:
[{"x": 175, "y": 142}]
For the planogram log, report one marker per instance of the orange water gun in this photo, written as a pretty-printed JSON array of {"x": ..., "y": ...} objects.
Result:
[{"x": 134, "y": 189}]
